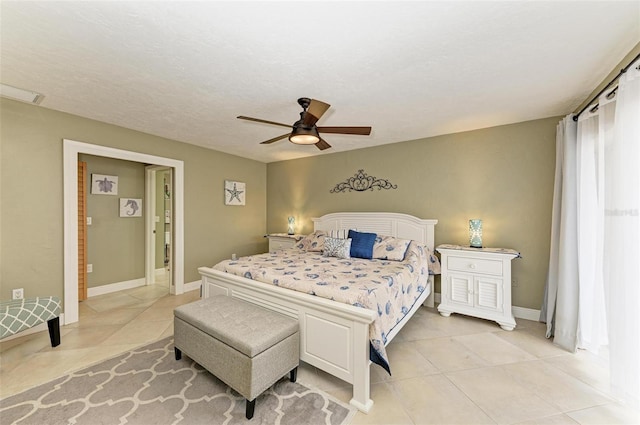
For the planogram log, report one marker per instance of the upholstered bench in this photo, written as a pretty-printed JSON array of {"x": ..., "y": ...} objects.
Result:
[
  {"x": 246, "y": 346},
  {"x": 19, "y": 315}
]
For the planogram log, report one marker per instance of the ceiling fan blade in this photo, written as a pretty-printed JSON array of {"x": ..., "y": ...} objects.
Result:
[
  {"x": 317, "y": 108},
  {"x": 322, "y": 145},
  {"x": 275, "y": 139},
  {"x": 263, "y": 121},
  {"x": 365, "y": 131}
]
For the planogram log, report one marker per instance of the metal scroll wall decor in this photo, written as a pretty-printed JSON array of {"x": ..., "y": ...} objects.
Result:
[{"x": 361, "y": 182}]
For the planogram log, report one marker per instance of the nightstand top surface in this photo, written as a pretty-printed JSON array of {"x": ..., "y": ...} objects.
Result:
[
  {"x": 468, "y": 248},
  {"x": 285, "y": 235}
]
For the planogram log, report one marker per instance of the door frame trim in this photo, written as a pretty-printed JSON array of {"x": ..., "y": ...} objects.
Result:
[
  {"x": 71, "y": 149},
  {"x": 150, "y": 225}
]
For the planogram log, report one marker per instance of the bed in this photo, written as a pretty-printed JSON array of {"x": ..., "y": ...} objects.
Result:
[{"x": 334, "y": 336}]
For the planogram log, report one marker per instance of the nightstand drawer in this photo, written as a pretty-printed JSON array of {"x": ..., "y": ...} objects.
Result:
[
  {"x": 275, "y": 245},
  {"x": 475, "y": 265}
]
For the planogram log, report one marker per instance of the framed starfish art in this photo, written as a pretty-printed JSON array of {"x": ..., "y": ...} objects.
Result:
[{"x": 234, "y": 192}]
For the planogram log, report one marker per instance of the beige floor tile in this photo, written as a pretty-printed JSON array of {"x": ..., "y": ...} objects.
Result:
[
  {"x": 500, "y": 395},
  {"x": 138, "y": 332},
  {"x": 551, "y": 420},
  {"x": 154, "y": 313},
  {"x": 39, "y": 368},
  {"x": 111, "y": 301},
  {"x": 447, "y": 354},
  {"x": 104, "y": 352},
  {"x": 319, "y": 379},
  {"x": 492, "y": 349},
  {"x": 306, "y": 374},
  {"x": 177, "y": 300},
  {"x": 386, "y": 410},
  {"x": 430, "y": 324},
  {"x": 117, "y": 316},
  {"x": 148, "y": 292},
  {"x": 528, "y": 341},
  {"x": 538, "y": 328},
  {"x": 584, "y": 367},
  {"x": 608, "y": 414},
  {"x": 25, "y": 344},
  {"x": 84, "y": 337},
  {"x": 433, "y": 399},
  {"x": 555, "y": 386},
  {"x": 406, "y": 361}
]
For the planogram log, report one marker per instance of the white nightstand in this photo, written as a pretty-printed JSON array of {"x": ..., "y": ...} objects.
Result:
[
  {"x": 477, "y": 282},
  {"x": 278, "y": 241}
]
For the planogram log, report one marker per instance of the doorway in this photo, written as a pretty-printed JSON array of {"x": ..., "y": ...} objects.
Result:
[
  {"x": 159, "y": 243},
  {"x": 71, "y": 150}
]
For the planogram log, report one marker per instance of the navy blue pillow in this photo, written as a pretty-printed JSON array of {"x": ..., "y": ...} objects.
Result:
[{"x": 362, "y": 244}]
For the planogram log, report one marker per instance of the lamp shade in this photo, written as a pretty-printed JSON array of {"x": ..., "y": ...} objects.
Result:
[
  {"x": 475, "y": 233},
  {"x": 291, "y": 225},
  {"x": 304, "y": 135}
]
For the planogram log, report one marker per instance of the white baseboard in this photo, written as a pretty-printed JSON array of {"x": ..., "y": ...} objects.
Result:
[
  {"x": 525, "y": 313},
  {"x": 114, "y": 287},
  {"x": 519, "y": 312},
  {"x": 192, "y": 286},
  {"x": 39, "y": 328}
]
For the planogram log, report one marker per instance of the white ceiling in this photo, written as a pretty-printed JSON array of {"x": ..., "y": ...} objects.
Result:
[{"x": 185, "y": 70}]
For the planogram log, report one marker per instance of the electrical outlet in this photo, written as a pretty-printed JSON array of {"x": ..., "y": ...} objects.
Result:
[
  {"x": 514, "y": 283},
  {"x": 18, "y": 294},
  {"x": 89, "y": 221},
  {"x": 89, "y": 268}
]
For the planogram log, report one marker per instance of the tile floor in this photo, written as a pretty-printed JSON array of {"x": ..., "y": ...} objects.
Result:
[{"x": 455, "y": 370}]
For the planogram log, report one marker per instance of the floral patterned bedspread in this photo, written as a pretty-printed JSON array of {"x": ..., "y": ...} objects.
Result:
[{"x": 390, "y": 288}]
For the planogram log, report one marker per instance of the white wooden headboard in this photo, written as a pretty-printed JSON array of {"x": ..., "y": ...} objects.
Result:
[{"x": 398, "y": 225}]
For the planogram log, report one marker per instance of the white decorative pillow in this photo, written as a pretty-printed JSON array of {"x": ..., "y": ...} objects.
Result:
[
  {"x": 313, "y": 242},
  {"x": 334, "y": 247},
  {"x": 339, "y": 234},
  {"x": 390, "y": 248}
]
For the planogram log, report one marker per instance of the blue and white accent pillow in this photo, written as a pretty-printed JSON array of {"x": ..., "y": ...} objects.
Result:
[
  {"x": 362, "y": 244},
  {"x": 334, "y": 247},
  {"x": 390, "y": 248}
]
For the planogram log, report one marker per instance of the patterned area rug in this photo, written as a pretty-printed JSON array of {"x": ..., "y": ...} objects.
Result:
[{"x": 148, "y": 386}]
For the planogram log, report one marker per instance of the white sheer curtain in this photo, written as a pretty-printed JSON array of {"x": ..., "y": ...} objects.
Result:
[
  {"x": 592, "y": 298},
  {"x": 622, "y": 239},
  {"x": 560, "y": 310},
  {"x": 594, "y": 132}
]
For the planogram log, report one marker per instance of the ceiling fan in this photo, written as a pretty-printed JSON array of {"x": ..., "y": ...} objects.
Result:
[{"x": 304, "y": 131}]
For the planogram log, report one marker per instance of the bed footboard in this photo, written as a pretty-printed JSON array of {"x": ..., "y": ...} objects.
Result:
[{"x": 321, "y": 320}]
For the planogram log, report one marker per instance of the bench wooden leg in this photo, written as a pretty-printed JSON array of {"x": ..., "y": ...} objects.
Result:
[
  {"x": 293, "y": 375},
  {"x": 54, "y": 331},
  {"x": 178, "y": 353},
  {"x": 251, "y": 405}
]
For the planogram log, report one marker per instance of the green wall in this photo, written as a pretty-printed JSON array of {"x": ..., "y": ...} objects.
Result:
[
  {"x": 503, "y": 175},
  {"x": 31, "y": 202},
  {"x": 115, "y": 245}
]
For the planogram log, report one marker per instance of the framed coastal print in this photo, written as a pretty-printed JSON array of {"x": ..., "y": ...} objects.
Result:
[
  {"x": 104, "y": 185},
  {"x": 234, "y": 192},
  {"x": 130, "y": 207}
]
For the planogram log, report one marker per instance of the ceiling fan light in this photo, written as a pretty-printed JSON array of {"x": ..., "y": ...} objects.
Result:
[{"x": 304, "y": 136}]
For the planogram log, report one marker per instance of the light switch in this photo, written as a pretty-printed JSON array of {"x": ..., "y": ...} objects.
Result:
[
  {"x": 88, "y": 221},
  {"x": 157, "y": 219}
]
